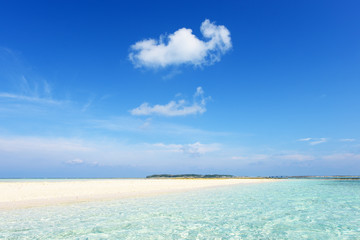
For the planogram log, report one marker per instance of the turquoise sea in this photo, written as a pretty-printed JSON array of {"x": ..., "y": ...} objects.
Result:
[{"x": 289, "y": 209}]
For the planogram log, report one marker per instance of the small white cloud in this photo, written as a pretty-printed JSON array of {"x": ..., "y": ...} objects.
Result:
[
  {"x": 87, "y": 105},
  {"x": 175, "y": 108},
  {"x": 304, "y": 139},
  {"x": 146, "y": 124},
  {"x": 296, "y": 157},
  {"x": 197, "y": 149},
  {"x": 313, "y": 141},
  {"x": 168, "y": 147},
  {"x": 318, "y": 141},
  {"x": 348, "y": 140},
  {"x": 172, "y": 74},
  {"x": 194, "y": 149},
  {"x": 183, "y": 47},
  {"x": 75, "y": 161}
]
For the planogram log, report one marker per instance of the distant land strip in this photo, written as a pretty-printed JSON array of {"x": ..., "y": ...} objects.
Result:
[
  {"x": 200, "y": 176},
  {"x": 190, "y": 176}
]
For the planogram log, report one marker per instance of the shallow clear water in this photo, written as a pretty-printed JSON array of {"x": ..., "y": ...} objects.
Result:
[{"x": 293, "y": 209}]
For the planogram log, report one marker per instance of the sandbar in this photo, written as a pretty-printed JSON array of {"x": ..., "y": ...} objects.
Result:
[{"x": 25, "y": 194}]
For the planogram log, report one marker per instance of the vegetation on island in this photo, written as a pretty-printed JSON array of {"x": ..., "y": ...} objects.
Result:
[
  {"x": 189, "y": 176},
  {"x": 224, "y": 176}
]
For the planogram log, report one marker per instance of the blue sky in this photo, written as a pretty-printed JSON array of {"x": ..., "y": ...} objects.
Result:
[{"x": 126, "y": 89}]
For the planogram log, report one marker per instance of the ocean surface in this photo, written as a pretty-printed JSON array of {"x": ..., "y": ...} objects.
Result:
[{"x": 289, "y": 209}]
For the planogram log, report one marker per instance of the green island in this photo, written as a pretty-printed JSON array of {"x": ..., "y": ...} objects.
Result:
[
  {"x": 212, "y": 176},
  {"x": 190, "y": 176},
  {"x": 223, "y": 176}
]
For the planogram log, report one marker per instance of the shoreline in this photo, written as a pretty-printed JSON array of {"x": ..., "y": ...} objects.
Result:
[{"x": 38, "y": 193}]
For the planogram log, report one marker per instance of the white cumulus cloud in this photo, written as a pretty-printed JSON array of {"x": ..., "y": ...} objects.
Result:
[
  {"x": 175, "y": 108},
  {"x": 183, "y": 47}
]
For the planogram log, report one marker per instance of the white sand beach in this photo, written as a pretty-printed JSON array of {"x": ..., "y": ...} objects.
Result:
[{"x": 23, "y": 194}]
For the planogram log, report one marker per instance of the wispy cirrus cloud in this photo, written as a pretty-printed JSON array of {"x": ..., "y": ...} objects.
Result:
[
  {"x": 194, "y": 149},
  {"x": 274, "y": 157},
  {"x": 75, "y": 161},
  {"x": 347, "y": 140},
  {"x": 39, "y": 92},
  {"x": 34, "y": 99},
  {"x": 153, "y": 127},
  {"x": 313, "y": 141},
  {"x": 296, "y": 157},
  {"x": 252, "y": 157},
  {"x": 318, "y": 141},
  {"x": 47, "y": 151},
  {"x": 28, "y": 153},
  {"x": 304, "y": 139},
  {"x": 43, "y": 145},
  {"x": 342, "y": 156},
  {"x": 175, "y": 108},
  {"x": 183, "y": 47}
]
